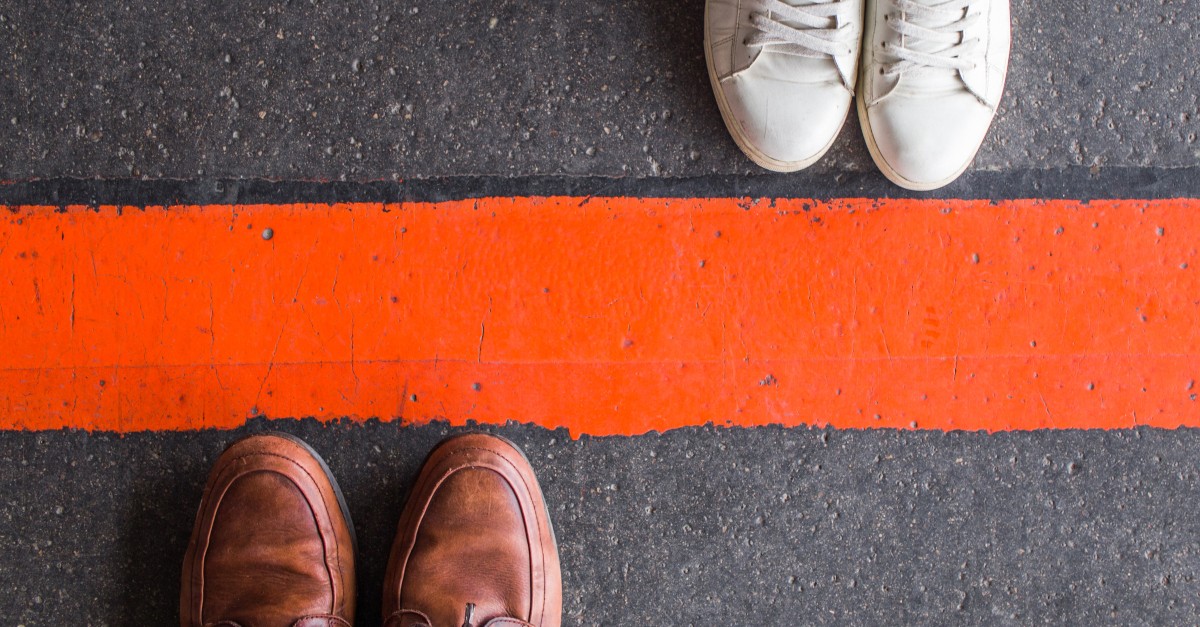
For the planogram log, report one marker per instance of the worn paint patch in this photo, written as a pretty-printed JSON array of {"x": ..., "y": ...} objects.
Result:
[{"x": 604, "y": 315}]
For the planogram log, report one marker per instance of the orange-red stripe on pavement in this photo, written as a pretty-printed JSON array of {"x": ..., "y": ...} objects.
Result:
[{"x": 604, "y": 316}]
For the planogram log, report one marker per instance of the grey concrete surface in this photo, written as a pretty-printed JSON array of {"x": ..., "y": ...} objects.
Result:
[
  {"x": 698, "y": 526},
  {"x": 316, "y": 89}
]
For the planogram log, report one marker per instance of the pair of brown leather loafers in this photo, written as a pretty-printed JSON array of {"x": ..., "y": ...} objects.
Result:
[{"x": 273, "y": 544}]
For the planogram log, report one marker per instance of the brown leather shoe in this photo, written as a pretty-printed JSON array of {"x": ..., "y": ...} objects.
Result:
[
  {"x": 272, "y": 545},
  {"x": 475, "y": 547}
]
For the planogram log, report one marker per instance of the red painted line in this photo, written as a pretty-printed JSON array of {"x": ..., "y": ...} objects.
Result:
[{"x": 604, "y": 316}]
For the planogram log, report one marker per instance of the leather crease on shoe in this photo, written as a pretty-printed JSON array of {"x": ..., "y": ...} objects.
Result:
[
  {"x": 272, "y": 545},
  {"x": 421, "y": 620},
  {"x": 415, "y": 618},
  {"x": 474, "y": 546},
  {"x": 934, "y": 53}
]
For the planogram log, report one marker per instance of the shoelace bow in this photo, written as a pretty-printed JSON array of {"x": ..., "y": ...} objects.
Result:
[
  {"x": 812, "y": 30},
  {"x": 943, "y": 23}
]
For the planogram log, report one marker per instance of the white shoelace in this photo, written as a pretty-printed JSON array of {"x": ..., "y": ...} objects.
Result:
[
  {"x": 805, "y": 31},
  {"x": 944, "y": 23}
]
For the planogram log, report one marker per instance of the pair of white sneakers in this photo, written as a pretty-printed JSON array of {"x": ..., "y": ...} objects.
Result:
[{"x": 928, "y": 82}]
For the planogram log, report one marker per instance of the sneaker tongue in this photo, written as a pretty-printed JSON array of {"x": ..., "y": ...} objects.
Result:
[
  {"x": 814, "y": 70},
  {"x": 786, "y": 67},
  {"x": 819, "y": 70},
  {"x": 803, "y": 3},
  {"x": 933, "y": 78}
]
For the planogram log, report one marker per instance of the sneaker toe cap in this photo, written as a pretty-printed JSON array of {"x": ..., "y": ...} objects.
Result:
[
  {"x": 928, "y": 142},
  {"x": 788, "y": 125}
]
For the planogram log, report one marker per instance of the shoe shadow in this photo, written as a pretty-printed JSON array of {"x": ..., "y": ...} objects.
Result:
[
  {"x": 375, "y": 509},
  {"x": 158, "y": 523},
  {"x": 376, "y": 486}
]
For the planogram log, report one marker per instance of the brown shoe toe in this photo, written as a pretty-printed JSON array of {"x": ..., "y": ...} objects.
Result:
[
  {"x": 272, "y": 545},
  {"x": 474, "y": 546}
]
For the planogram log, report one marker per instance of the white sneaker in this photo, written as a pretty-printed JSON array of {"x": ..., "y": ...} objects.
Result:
[
  {"x": 783, "y": 74},
  {"x": 932, "y": 74}
]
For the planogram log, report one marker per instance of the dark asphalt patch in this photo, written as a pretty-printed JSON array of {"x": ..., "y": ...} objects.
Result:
[
  {"x": 1069, "y": 183},
  {"x": 318, "y": 90},
  {"x": 697, "y": 526}
]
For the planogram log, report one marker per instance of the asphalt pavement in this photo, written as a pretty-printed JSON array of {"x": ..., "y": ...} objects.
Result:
[
  {"x": 144, "y": 102},
  {"x": 368, "y": 91},
  {"x": 697, "y": 526}
]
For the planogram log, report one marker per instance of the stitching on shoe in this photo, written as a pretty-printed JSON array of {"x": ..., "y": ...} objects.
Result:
[
  {"x": 400, "y": 613},
  {"x": 455, "y": 467},
  {"x": 238, "y": 475},
  {"x": 536, "y": 518},
  {"x": 737, "y": 29},
  {"x": 327, "y": 617}
]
